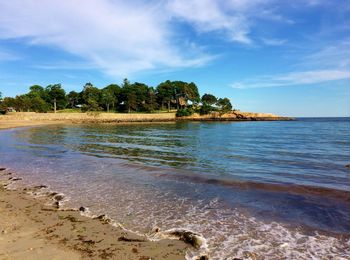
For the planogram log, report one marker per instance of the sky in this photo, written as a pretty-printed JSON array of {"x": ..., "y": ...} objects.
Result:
[{"x": 290, "y": 58}]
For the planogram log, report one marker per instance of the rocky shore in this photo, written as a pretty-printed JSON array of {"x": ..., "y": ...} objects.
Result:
[{"x": 236, "y": 116}]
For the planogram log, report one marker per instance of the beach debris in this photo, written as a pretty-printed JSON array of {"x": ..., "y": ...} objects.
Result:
[
  {"x": 82, "y": 209},
  {"x": 155, "y": 230},
  {"x": 52, "y": 194},
  {"x": 103, "y": 218},
  {"x": 188, "y": 237},
  {"x": 2, "y": 169},
  {"x": 40, "y": 187},
  {"x": 59, "y": 197},
  {"x": 56, "y": 204},
  {"x": 126, "y": 239},
  {"x": 15, "y": 179}
]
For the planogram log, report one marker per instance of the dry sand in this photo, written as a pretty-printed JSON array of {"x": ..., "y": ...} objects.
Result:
[{"x": 36, "y": 228}]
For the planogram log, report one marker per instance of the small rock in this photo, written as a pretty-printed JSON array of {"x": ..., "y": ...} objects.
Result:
[
  {"x": 126, "y": 239},
  {"x": 16, "y": 179},
  {"x": 56, "y": 204},
  {"x": 40, "y": 187},
  {"x": 155, "y": 230},
  {"x": 188, "y": 237},
  {"x": 2, "y": 169},
  {"x": 58, "y": 197},
  {"x": 103, "y": 218},
  {"x": 82, "y": 209},
  {"x": 203, "y": 257},
  {"x": 52, "y": 194},
  {"x": 347, "y": 166}
]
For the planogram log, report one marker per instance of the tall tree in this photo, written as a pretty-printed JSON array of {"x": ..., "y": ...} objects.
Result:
[
  {"x": 110, "y": 96},
  {"x": 166, "y": 93},
  {"x": 224, "y": 105},
  {"x": 56, "y": 96},
  {"x": 209, "y": 99},
  {"x": 73, "y": 99},
  {"x": 91, "y": 97},
  {"x": 107, "y": 97}
]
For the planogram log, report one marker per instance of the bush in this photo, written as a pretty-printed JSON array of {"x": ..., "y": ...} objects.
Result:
[
  {"x": 184, "y": 112},
  {"x": 205, "y": 109}
]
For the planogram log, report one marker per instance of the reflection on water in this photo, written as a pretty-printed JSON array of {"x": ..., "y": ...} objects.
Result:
[{"x": 254, "y": 187}]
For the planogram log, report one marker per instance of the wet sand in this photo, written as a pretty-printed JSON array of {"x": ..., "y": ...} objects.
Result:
[
  {"x": 13, "y": 123},
  {"x": 32, "y": 227}
]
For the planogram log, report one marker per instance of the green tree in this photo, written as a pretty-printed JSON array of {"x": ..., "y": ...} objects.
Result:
[
  {"x": 151, "y": 101},
  {"x": 115, "y": 89},
  {"x": 107, "y": 98},
  {"x": 73, "y": 99},
  {"x": 24, "y": 103},
  {"x": 224, "y": 105},
  {"x": 91, "y": 97},
  {"x": 134, "y": 96},
  {"x": 57, "y": 96},
  {"x": 165, "y": 93},
  {"x": 209, "y": 99}
]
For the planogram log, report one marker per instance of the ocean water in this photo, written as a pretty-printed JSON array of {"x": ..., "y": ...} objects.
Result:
[{"x": 255, "y": 190}]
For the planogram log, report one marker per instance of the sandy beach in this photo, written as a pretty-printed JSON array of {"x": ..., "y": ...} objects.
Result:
[
  {"x": 20, "y": 119},
  {"x": 34, "y": 227}
]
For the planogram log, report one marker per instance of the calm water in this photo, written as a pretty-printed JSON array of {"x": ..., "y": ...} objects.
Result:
[{"x": 269, "y": 189}]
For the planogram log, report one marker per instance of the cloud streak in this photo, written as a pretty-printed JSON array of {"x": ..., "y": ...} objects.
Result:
[
  {"x": 294, "y": 79},
  {"x": 123, "y": 37},
  {"x": 118, "y": 38}
]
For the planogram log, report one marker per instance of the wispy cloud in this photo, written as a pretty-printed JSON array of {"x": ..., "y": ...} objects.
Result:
[
  {"x": 336, "y": 55},
  {"x": 274, "y": 42},
  {"x": 118, "y": 37},
  {"x": 124, "y": 37},
  {"x": 294, "y": 79},
  {"x": 6, "y": 55}
]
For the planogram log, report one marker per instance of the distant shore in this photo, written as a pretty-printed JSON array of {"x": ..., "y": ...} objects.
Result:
[{"x": 20, "y": 119}]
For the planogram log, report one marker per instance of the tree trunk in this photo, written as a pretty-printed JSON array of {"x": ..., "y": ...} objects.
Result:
[
  {"x": 168, "y": 106},
  {"x": 54, "y": 105},
  {"x": 107, "y": 107}
]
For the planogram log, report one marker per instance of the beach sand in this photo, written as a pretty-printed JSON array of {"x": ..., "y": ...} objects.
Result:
[{"x": 34, "y": 227}]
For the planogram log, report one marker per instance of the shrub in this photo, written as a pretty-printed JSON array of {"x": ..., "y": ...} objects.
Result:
[
  {"x": 184, "y": 112},
  {"x": 205, "y": 109}
]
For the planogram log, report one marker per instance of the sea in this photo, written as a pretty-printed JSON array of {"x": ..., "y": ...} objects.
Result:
[{"x": 250, "y": 190}]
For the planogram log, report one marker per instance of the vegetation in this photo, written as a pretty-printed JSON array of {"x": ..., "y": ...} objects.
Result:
[{"x": 128, "y": 97}]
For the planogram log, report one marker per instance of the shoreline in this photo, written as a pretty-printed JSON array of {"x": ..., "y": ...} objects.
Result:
[
  {"x": 20, "y": 119},
  {"x": 33, "y": 224}
]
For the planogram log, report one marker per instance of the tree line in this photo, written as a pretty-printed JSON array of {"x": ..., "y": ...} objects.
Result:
[{"x": 127, "y": 97}]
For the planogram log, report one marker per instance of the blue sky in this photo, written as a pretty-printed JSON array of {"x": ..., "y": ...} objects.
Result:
[{"x": 285, "y": 57}]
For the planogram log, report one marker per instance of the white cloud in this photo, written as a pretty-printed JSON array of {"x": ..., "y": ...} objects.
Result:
[
  {"x": 293, "y": 79},
  {"x": 209, "y": 16},
  {"x": 6, "y": 55},
  {"x": 274, "y": 42},
  {"x": 336, "y": 55},
  {"x": 118, "y": 37},
  {"x": 123, "y": 37}
]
